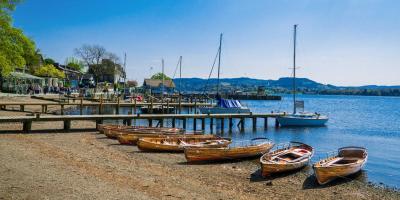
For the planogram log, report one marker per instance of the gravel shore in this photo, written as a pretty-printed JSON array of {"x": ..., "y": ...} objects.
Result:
[{"x": 88, "y": 165}]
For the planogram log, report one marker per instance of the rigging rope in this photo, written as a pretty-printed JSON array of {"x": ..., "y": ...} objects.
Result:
[
  {"x": 176, "y": 68},
  {"x": 212, "y": 68}
]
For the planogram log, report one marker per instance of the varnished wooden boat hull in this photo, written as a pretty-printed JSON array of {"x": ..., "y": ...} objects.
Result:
[
  {"x": 132, "y": 139},
  {"x": 268, "y": 168},
  {"x": 214, "y": 154},
  {"x": 172, "y": 144},
  {"x": 102, "y": 127},
  {"x": 326, "y": 174},
  {"x": 113, "y": 133}
]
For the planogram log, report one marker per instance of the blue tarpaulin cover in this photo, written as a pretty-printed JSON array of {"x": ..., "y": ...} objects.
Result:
[{"x": 228, "y": 103}]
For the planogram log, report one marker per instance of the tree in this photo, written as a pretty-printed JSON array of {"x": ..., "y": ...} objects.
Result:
[
  {"x": 6, "y": 7},
  {"x": 15, "y": 47},
  {"x": 74, "y": 63},
  {"x": 106, "y": 67},
  {"x": 98, "y": 60},
  {"x": 132, "y": 83},
  {"x": 48, "y": 70},
  {"x": 49, "y": 61},
  {"x": 113, "y": 57},
  {"x": 91, "y": 54},
  {"x": 33, "y": 62},
  {"x": 159, "y": 76}
]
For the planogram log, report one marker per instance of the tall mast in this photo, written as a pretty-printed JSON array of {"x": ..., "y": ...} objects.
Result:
[
  {"x": 124, "y": 71},
  {"x": 180, "y": 74},
  {"x": 219, "y": 61},
  {"x": 294, "y": 68},
  {"x": 162, "y": 83}
]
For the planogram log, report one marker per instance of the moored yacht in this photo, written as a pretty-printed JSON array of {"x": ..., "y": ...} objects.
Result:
[
  {"x": 300, "y": 118},
  {"x": 223, "y": 105}
]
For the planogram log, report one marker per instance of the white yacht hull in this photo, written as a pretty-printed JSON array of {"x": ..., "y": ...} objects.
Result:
[{"x": 291, "y": 120}]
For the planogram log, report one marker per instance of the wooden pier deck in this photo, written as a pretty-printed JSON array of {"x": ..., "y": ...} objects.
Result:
[
  {"x": 127, "y": 119},
  {"x": 100, "y": 105}
]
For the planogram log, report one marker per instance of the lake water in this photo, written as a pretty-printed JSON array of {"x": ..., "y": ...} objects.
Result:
[{"x": 371, "y": 122}]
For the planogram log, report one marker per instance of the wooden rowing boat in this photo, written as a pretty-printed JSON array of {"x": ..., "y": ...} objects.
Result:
[
  {"x": 177, "y": 144},
  {"x": 132, "y": 138},
  {"x": 256, "y": 147},
  {"x": 290, "y": 157},
  {"x": 103, "y": 127},
  {"x": 100, "y": 128},
  {"x": 349, "y": 160},
  {"x": 115, "y": 131},
  {"x": 109, "y": 129}
]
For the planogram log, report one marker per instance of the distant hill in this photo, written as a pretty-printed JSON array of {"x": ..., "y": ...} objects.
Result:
[
  {"x": 198, "y": 84},
  {"x": 282, "y": 85}
]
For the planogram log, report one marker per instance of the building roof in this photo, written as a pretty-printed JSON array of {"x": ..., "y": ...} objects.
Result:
[
  {"x": 21, "y": 75},
  {"x": 66, "y": 68},
  {"x": 157, "y": 83}
]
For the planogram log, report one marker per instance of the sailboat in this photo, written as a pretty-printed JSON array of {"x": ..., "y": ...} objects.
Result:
[
  {"x": 224, "y": 105},
  {"x": 300, "y": 118}
]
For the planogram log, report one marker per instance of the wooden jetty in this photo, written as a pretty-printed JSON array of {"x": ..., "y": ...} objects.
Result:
[
  {"x": 66, "y": 119},
  {"x": 177, "y": 106}
]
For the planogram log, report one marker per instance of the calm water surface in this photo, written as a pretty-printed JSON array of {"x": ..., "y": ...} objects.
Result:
[{"x": 371, "y": 122}]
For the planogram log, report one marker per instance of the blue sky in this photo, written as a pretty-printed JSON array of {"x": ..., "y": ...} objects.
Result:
[{"x": 341, "y": 42}]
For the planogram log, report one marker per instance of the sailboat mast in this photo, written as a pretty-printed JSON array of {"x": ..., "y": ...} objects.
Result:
[
  {"x": 162, "y": 83},
  {"x": 180, "y": 74},
  {"x": 219, "y": 61},
  {"x": 124, "y": 72},
  {"x": 294, "y": 68}
]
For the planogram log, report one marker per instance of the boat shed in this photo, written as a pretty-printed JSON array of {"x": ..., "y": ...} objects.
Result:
[{"x": 18, "y": 82}]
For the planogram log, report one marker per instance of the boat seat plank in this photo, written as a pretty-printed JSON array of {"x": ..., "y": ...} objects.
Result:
[
  {"x": 333, "y": 161},
  {"x": 300, "y": 158}
]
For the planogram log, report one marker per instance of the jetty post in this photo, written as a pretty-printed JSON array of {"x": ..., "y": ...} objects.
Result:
[
  {"x": 67, "y": 125},
  {"x": 184, "y": 123},
  {"x": 151, "y": 106},
  {"x": 173, "y": 122},
  {"x": 101, "y": 104},
  {"x": 43, "y": 108},
  {"x": 222, "y": 124},
  {"x": 242, "y": 123},
  {"x": 230, "y": 124},
  {"x": 265, "y": 122},
  {"x": 254, "y": 123},
  {"x": 276, "y": 123},
  {"x": 195, "y": 105},
  {"x": 81, "y": 107},
  {"x": 180, "y": 104},
  {"x": 62, "y": 109},
  {"x": 117, "y": 107}
]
